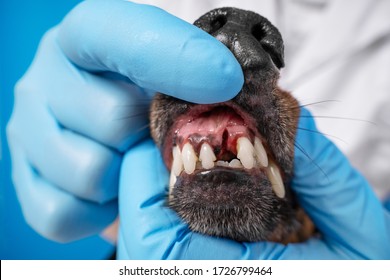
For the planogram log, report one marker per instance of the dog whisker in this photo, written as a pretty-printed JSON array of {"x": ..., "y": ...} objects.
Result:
[
  {"x": 300, "y": 148},
  {"x": 143, "y": 128},
  {"x": 143, "y": 104},
  {"x": 311, "y": 104},
  {"x": 340, "y": 118},
  {"x": 136, "y": 115},
  {"x": 325, "y": 134}
]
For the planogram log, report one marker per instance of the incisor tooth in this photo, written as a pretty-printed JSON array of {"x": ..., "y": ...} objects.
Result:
[
  {"x": 189, "y": 158},
  {"x": 275, "y": 178},
  {"x": 206, "y": 156},
  {"x": 260, "y": 153},
  {"x": 222, "y": 163},
  {"x": 245, "y": 152},
  {"x": 177, "y": 165},
  {"x": 235, "y": 163}
]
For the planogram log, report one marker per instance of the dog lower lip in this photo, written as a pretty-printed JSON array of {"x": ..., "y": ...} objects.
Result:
[
  {"x": 212, "y": 188},
  {"x": 222, "y": 195}
]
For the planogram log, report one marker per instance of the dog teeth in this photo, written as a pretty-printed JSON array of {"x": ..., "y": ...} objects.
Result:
[
  {"x": 275, "y": 178},
  {"x": 206, "y": 156},
  {"x": 177, "y": 165},
  {"x": 235, "y": 163},
  {"x": 260, "y": 153},
  {"x": 248, "y": 156},
  {"x": 245, "y": 151},
  {"x": 222, "y": 163},
  {"x": 172, "y": 180},
  {"x": 189, "y": 158}
]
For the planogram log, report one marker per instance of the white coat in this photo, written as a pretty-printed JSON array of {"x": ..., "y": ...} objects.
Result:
[{"x": 337, "y": 52}]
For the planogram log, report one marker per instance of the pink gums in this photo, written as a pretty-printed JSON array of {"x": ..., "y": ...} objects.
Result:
[{"x": 219, "y": 127}]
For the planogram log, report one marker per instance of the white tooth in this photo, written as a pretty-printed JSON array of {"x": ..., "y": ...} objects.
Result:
[
  {"x": 245, "y": 152},
  {"x": 260, "y": 153},
  {"x": 177, "y": 165},
  {"x": 235, "y": 163},
  {"x": 189, "y": 158},
  {"x": 222, "y": 163},
  {"x": 275, "y": 178},
  {"x": 206, "y": 156},
  {"x": 172, "y": 181}
]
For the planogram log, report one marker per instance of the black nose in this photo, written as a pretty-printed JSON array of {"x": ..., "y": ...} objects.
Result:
[{"x": 252, "y": 38}]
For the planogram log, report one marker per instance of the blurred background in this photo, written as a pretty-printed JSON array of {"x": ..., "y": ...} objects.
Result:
[{"x": 22, "y": 24}]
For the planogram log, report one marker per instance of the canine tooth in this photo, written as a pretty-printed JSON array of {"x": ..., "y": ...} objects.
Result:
[
  {"x": 245, "y": 152},
  {"x": 235, "y": 163},
  {"x": 189, "y": 158},
  {"x": 206, "y": 156},
  {"x": 172, "y": 181},
  {"x": 222, "y": 163},
  {"x": 275, "y": 178},
  {"x": 260, "y": 153},
  {"x": 177, "y": 165}
]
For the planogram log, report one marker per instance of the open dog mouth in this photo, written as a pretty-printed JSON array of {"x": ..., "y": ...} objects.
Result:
[
  {"x": 231, "y": 163},
  {"x": 224, "y": 179},
  {"x": 219, "y": 137}
]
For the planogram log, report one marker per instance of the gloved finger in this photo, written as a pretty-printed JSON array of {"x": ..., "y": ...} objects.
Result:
[
  {"x": 53, "y": 213},
  {"x": 104, "y": 108},
  {"x": 337, "y": 197},
  {"x": 150, "y": 230},
  {"x": 74, "y": 163},
  {"x": 152, "y": 48}
]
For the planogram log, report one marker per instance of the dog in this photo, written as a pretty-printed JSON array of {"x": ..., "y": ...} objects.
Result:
[{"x": 231, "y": 163}]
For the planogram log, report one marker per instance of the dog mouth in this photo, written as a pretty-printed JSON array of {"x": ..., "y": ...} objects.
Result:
[
  {"x": 229, "y": 162},
  {"x": 219, "y": 138},
  {"x": 224, "y": 179}
]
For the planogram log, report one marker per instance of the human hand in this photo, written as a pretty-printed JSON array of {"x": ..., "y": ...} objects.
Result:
[
  {"x": 85, "y": 100},
  {"x": 352, "y": 222}
]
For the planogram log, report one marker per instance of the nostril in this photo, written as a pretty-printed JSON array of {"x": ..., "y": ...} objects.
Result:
[
  {"x": 261, "y": 31},
  {"x": 218, "y": 23},
  {"x": 258, "y": 32}
]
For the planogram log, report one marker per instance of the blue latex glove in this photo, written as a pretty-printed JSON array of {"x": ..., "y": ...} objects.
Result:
[
  {"x": 85, "y": 100},
  {"x": 339, "y": 200}
]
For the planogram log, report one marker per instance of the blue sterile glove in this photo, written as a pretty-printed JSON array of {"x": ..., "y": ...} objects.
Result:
[
  {"x": 85, "y": 100},
  {"x": 353, "y": 222}
]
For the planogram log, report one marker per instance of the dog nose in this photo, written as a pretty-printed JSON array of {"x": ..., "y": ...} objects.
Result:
[{"x": 254, "y": 41}]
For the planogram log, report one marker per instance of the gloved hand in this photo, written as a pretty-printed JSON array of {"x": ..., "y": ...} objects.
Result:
[
  {"x": 85, "y": 100},
  {"x": 339, "y": 200}
]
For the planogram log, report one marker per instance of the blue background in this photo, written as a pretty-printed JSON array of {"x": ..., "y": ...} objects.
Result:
[{"x": 22, "y": 24}]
